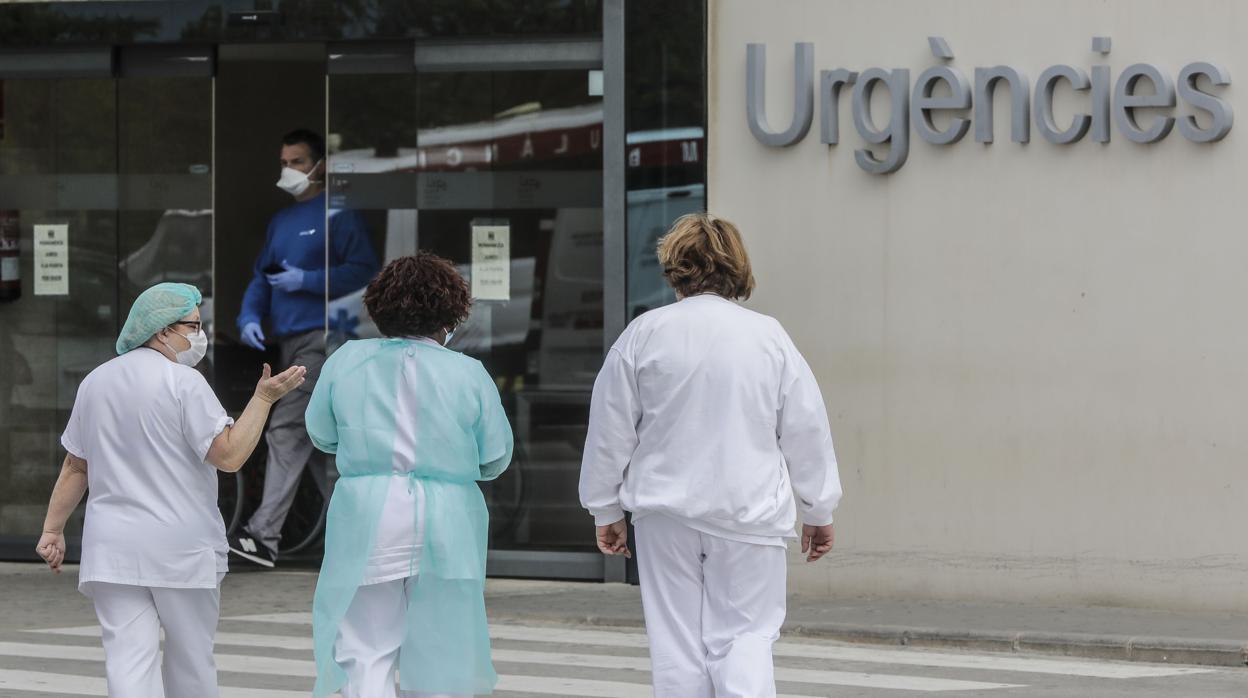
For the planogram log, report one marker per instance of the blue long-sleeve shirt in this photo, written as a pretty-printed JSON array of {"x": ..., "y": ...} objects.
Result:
[{"x": 296, "y": 236}]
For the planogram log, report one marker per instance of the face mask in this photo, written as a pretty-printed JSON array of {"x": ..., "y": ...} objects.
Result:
[
  {"x": 192, "y": 356},
  {"x": 449, "y": 334},
  {"x": 294, "y": 182}
]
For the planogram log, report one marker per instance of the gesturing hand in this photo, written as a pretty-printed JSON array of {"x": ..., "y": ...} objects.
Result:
[
  {"x": 272, "y": 388},
  {"x": 613, "y": 539},
  {"x": 817, "y": 541},
  {"x": 51, "y": 548}
]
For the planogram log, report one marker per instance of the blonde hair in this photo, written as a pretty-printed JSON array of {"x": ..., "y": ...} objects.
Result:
[{"x": 703, "y": 253}]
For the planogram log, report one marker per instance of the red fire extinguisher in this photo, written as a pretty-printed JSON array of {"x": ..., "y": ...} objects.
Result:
[{"x": 10, "y": 257}]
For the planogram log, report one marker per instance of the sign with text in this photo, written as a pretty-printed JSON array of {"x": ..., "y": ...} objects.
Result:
[
  {"x": 491, "y": 262},
  {"x": 1142, "y": 102},
  {"x": 51, "y": 260}
]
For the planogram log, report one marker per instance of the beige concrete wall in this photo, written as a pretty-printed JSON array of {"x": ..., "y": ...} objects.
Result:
[{"x": 1035, "y": 357}]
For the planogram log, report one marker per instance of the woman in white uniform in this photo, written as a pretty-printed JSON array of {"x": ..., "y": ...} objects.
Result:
[
  {"x": 146, "y": 437},
  {"x": 704, "y": 421},
  {"x": 415, "y": 426}
]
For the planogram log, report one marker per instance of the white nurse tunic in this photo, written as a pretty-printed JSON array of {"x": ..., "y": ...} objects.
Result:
[
  {"x": 144, "y": 425},
  {"x": 705, "y": 412},
  {"x": 705, "y": 423},
  {"x": 153, "y": 544}
]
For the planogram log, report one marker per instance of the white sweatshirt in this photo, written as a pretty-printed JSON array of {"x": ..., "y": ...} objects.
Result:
[{"x": 705, "y": 411}]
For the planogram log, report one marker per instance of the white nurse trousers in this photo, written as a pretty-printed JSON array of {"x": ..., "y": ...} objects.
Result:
[
  {"x": 369, "y": 639},
  {"x": 132, "y": 617},
  {"x": 713, "y": 608}
]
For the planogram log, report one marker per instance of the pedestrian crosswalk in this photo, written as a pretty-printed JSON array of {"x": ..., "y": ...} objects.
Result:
[{"x": 269, "y": 656}]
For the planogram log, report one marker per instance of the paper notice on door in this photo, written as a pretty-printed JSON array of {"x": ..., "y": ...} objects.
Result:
[
  {"x": 51, "y": 260},
  {"x": 491, "y": 262}
]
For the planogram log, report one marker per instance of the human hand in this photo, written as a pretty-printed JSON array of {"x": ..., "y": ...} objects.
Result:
[
  {"x": 817, "y": 541},
  {"x": 613, "y": 539},
  {"x": 289, "y": 281},
  {"x": 51, "y": 548},
  {"x": 253, "y": 336},
  {"x": 272, "y": 388}
]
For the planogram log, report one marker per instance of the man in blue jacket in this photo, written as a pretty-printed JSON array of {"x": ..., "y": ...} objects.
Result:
[{"x": 288, "y": 290}]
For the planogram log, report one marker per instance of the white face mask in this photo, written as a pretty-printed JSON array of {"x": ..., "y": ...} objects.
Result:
[
  {"x": 294, "y": 182},
  {"x": 192, "y": 356},
  {"x": 447, "y": 339}
]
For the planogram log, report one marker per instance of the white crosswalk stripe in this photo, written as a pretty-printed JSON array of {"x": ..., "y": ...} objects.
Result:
[
  {"x": 21, "y": 682},
  {"x": 835, "y": 678},
  {"x": 871, "y": 655},
  {"x": 637, "y": 640},
  {"x": 258, "y": 652},
  {"x": 224, "y": 639}
]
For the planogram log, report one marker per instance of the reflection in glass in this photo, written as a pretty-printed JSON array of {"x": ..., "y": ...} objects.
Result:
[
  {"x": 165, "y": 210},
  {"x": 520, "y": 153},
  {"x": 665, "y": 93},
  {"x": 205, "y": 21},
  {"x": 57, "y": 166},
  {"x": 123, "y": 164}
]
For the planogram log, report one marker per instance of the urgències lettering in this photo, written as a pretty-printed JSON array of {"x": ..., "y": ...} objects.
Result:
[{"x": 962, "y": 102}]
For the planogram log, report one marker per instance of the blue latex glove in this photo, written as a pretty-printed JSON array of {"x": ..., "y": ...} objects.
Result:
[
  {"x": 253, "y": 336},
  {"x": 289, "y": 281}
]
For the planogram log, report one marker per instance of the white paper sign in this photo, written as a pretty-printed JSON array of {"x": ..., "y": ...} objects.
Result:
[
  {"x": 52, "y": 260},
  {"x": 491, "y": 262}
]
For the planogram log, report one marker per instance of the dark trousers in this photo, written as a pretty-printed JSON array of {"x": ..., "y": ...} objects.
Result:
[{"x": 290, "y": 448}]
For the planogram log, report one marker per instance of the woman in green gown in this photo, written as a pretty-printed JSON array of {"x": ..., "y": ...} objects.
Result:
[{"x": 415, "y": 426}]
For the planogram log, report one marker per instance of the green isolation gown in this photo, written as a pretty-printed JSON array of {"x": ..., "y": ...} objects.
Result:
[{"x": 453, "y": 433}]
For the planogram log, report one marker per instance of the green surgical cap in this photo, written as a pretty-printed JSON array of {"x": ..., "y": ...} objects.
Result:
[{"x": 154, "y": 309}]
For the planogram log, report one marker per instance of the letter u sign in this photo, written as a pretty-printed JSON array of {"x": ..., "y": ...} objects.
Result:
[{"x": 803, "y": 94}]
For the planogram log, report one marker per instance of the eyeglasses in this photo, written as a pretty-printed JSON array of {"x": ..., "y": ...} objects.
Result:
[{"x": 193, "y": 324}]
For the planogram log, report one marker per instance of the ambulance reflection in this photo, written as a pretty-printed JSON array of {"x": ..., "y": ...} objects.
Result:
[
  {"x": 544, "y": 344},
  {"x": 650, "y": 215},
  {"x": 563, "y": 346},
  {"x": 544, "y": 347}
]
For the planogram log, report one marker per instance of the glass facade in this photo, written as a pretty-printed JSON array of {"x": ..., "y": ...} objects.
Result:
[
  {"x": 53, "y": 159},
  {"x": 665, "y": 78},
  {"x": 436, "y": 161},
  {"x": 474, "y": 130},
  {"x": 260, "y": 21}
]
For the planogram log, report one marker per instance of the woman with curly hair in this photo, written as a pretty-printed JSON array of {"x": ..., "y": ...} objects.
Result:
[{"x": 414, "y": 426}]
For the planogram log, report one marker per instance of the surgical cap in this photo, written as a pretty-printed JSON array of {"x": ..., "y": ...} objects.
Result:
[{"x": 154, "y": 309}]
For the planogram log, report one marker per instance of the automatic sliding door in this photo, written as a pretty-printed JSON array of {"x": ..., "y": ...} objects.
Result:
[
  {"x": 165, "y": 202},
  {"x": 500, "y": 170},
  {"x": 58, "y": 179},
  {"x": 105, "y": 188}
]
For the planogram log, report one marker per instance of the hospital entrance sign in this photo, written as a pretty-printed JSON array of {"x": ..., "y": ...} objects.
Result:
[{"x": 946, "y": 91}]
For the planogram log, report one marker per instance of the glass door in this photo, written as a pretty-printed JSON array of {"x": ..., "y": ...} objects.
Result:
[
  {"x": 165, "y": 174},
  {"x": 105, "y": 189},
  {"x": 60, "y": 318},
  {"x": 497, "y": 165},
  {"x": 265, "y": 91}
]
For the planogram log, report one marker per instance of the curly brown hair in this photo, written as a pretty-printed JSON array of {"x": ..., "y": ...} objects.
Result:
[
  {"x": 703, "y": 253},
  {"x": 418, "y": 296}
]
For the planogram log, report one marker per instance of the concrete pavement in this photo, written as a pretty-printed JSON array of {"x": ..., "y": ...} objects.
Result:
[
  {"x": 34, "y": 598},
  {"x": 1218, "y": 639},
  {"x": 269, "y": 656}
]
